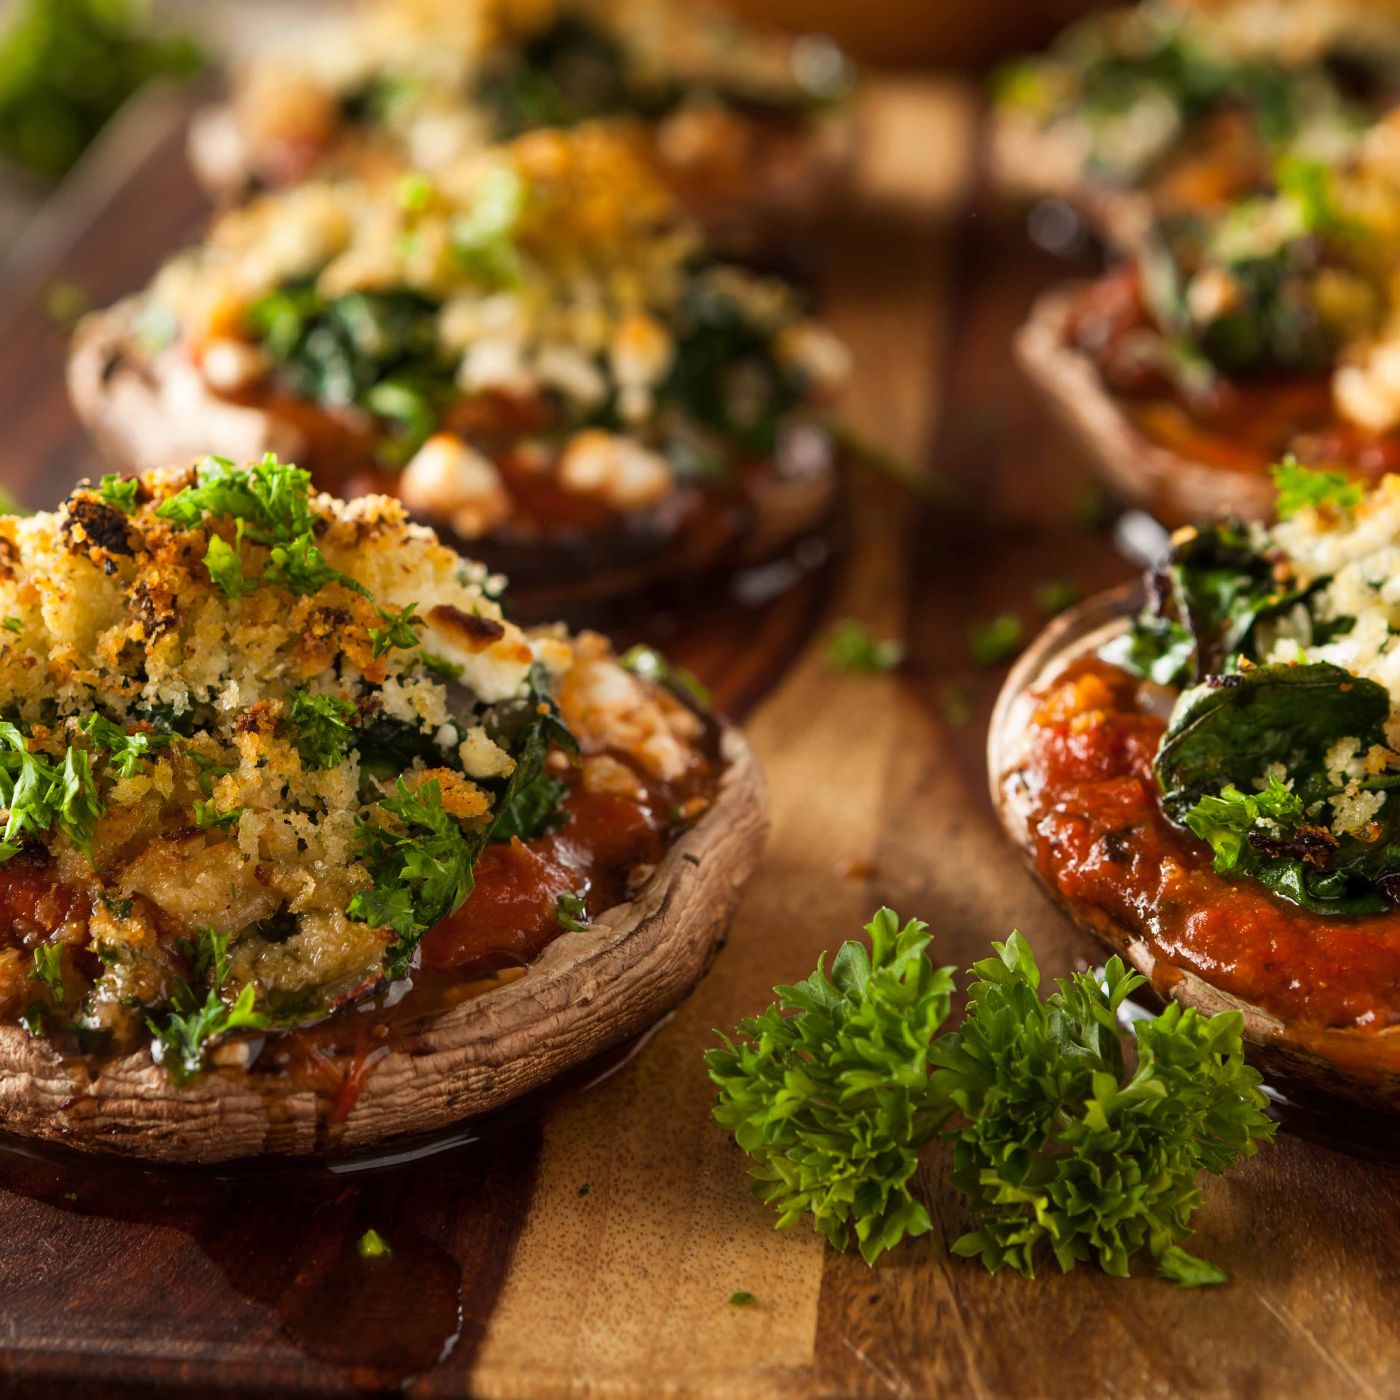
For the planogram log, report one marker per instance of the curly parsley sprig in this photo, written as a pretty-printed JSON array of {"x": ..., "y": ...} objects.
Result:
[
  {"x": 1058, "y": 1142},
  {"x": 1061, "y": 1140},
  {"x": 828, "y": 1090}
]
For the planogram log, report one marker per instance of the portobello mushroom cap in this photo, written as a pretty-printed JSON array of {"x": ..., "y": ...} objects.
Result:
[
  {"x": 1335, "y": 1062},
  {"x": 1176, "y": 489},
  {"x": 149, "y": 407},
  {"x": 589, "y": 990}
]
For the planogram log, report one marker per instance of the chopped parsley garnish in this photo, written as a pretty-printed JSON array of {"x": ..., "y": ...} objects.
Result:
[
  {"x": 48, "y": 969},
  {"x": 208, "y": 816},
  {"x": 14, "y": 624},
  {"x": 270, "y": 505},
  {"x": 741, "y": 1299},
  {"x": 322, "y": 728},
  {"x": 1225, "y": 820},
  {"x": 123, "y": 494},
  {"x": 996, "y": 641},
  {"x": 66, "y": 303},
  {"x": 209, "y": 769},
  {"x": 483, "y": 238},
  {"x": 1299, "y": 487},
  {"x": 125, "y": 752},
  {"x": 192, "y": 1026},
  {"x": 33, "y": 1019},
  {"x": 422, "y": 869},
  {"x": 650, "y": 665},
  {"x": 40, "y": 794},
  {"x": 572, "y": 912},
  {"x": 441, "y": 666},
  {"x": 853, "y": 650},
  {"x": 373, "y": 1245},
  {"x": 79, "y": 805},
  {"x": 397, "y": 632},
  {"x": 838, "y": 1086}
]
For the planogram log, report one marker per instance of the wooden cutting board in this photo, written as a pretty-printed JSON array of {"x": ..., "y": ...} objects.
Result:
[{"x": 590, "y": 1245}]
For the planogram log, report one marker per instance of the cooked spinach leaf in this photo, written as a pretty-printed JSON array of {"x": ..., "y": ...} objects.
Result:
[
  {"x": 377, "y": 351},
  {"x": 1219, "y": 764},
  {"x": 1204, "y": 604},
  {"x": 1234, "y": 728}
]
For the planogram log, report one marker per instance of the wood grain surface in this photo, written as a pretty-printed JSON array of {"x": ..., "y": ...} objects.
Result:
[{"x": 590, "y": 1246}]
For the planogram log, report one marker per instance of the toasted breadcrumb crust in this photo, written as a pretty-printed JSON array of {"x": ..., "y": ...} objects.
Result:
[{"x": 111, "y": 610}]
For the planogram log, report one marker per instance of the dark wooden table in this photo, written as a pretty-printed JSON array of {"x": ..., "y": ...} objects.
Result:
[{"x": 590, "y": 1246}]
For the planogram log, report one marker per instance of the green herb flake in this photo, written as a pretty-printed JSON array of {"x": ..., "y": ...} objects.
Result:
[
  {"x": 584, "y": 1189},
  {"x": 208, "y": 816},
  {"x": 852, "y": 650},
  {"x": 48, "y": 969},
  {"x": 208, "y": 769},
  {"x": 422, "y": 869},
  {"x": 14, "y": 624},
  {"x": 741, "y": 1299},
  {"x": 1052, "y": 597},
  {"x": 1299, "y": 487},
  {"x": 373, "y": 1245},
  {"x": 571, "y": 912},
  {"x": 398, "y": 632},
  {"x": 483, "y": 239},
  {"x": 996, "y": 641},
  {"x": 66, "y": 303},
  {"x": 126, "y": 753},
  {"x": 1179, "y": 1267},
  {"x": 191, "y": 1026},
  {"x": 322, "y": 728},
  {"x": 415, "y": 192},
  {"x": 441, "y": 666},
  {"x": 121, "y": 493}
]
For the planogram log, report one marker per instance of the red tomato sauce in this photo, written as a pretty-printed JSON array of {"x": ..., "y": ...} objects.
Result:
[
  {"x": 1102, "y": 842},
  {"x": 1235, "y": 425},
  {"x": 512, "y": 915}
]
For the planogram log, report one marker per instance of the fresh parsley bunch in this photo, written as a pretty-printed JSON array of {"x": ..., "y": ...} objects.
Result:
[
  {"x": 1057, "y": 1142},
  {"x": 829, "y": 1089}
]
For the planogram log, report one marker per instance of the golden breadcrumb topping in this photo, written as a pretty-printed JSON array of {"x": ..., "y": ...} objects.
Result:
[{"x": 265, "y": 733}]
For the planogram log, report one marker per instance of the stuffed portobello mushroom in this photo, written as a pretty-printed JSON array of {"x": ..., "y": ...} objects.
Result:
[
  {"x": 1171, "y": 108},
  {"x": 748, "y": 128},
  {"x": 305, "y": 845},
  {"x": 1207, "y": 779},
  {"x": 1230, "y": 340},
  {"x": 535, "y": 353}
]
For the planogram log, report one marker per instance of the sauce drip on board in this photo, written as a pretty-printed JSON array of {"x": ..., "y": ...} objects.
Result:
[{"x": 1102, "y": 842}]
